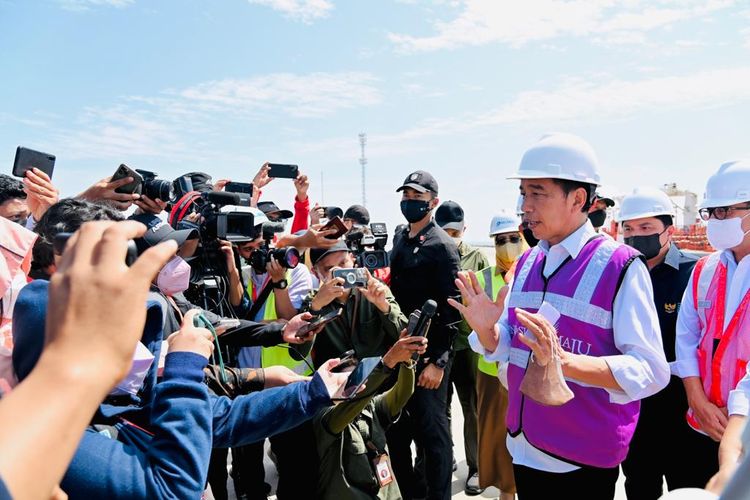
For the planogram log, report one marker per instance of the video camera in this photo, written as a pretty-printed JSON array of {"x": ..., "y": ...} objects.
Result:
[{"x": 368, "y": 245}]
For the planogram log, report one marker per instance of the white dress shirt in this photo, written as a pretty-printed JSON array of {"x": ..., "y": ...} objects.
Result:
[
  {"x": 688, "y": 326},
  {"x": 641, "y": 370}
]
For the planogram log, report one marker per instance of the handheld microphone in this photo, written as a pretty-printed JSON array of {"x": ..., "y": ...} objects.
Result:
[{"x": 423, "y": 323}]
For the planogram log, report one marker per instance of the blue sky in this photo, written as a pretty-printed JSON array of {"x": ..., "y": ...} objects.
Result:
[{"x": 660, "y": 88}]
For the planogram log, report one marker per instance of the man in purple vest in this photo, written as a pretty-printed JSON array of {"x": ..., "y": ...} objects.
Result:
[{"x": 606, "y": 340}]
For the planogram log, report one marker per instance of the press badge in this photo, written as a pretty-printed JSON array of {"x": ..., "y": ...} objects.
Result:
[{"x": 383, "y": 470}]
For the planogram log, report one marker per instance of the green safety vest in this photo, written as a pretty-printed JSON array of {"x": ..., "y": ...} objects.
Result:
[
  {"x": 491, "y": 283},
  {"x": 278, "y": 355}
]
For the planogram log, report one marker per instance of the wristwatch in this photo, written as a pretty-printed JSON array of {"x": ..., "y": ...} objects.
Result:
[
  {"x": 280, "y": 285},
  {"x": 441, "y": 363}
]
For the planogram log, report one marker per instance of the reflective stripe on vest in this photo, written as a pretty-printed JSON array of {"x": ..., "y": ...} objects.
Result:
[
  {"x": 492, "y": 284},
  {"x": 723, "y": 365},
  {"x": 579, "y": 306},
  {"x": 278, "y": 355}
]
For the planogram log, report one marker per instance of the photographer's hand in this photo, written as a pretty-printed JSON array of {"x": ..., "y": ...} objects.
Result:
[
  {"x": 236, "y": 291},
  {"x": 148, "y": 206},
  {"x": 221, "y": 184},
  {"x": 333, "y": 381},
  {"x": 316, "y": 214},
  {"x": 95, "y": 317},
  {"x": 40, "y": 192},
  {"x": 262, "y": 179},
  {"x": 289, "y": 333},
  {"x": 328, "y": 292},
  {"x": 279, "y": 376},
  {"x": 104, "y": 190},
  {"x": 301, "y": 184},
  {"x": 375, "y": 293},
  {"x": 275, "y": 270},
  {"x": 190, "y": 338},
  {"x": 403, "y": 350}
]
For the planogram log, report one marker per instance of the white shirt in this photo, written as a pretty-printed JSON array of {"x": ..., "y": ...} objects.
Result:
[
  {"x": 641, "y": 370},
  {"x": 688, "y": 333}
]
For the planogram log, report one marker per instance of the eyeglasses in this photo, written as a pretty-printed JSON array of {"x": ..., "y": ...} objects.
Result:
[
  {"x": 719, "y": 213},
  {"x": 502, "y": 240}
]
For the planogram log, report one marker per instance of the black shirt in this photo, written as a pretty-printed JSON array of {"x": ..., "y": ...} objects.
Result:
[{"x": 423, "y": 268}]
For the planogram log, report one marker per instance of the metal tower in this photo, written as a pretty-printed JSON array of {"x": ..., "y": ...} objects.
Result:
[{"x": 363, "y": 163}]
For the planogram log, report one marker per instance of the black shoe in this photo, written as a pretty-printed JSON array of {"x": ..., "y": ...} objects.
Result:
[{"x": 472, "y": 485}]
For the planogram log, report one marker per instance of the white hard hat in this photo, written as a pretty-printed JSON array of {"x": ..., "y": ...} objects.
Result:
[
  {"x": 645, "y": 202},
  {"x": 560, "y": 156},
  {"x": 728, "y": 186},
  {"x": 506, "y": 222}
]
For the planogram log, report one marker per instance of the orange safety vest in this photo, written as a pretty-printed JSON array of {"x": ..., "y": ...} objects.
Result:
[{"x": 722, "y": 353}]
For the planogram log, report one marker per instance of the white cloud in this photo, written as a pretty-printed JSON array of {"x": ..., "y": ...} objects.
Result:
[
  {"x": 305, "y": 11},
  {"x": 594, "y": 100},
  {"x": 311, "y": 95},
  {"x": 81, "y": 5},
  {"x": 517, "y": 23},
  {"x": 166, "y": 125}
]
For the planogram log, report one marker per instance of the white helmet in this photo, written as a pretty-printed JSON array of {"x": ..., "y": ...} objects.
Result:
[
  {"x": 560, "y": 156},
  {"x": 506, "y": 222},
  {"x": 729, "y": 186},
  {"x": 645, "y": 201}
]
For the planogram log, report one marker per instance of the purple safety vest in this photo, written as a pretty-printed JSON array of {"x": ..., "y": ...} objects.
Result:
[{"x": 589, "y": 429}]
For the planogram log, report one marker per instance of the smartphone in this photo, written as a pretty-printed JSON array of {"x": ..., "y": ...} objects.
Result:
[
  {"x": 61, "y": 239},
  {"x": 318, "y": 322},
  {"x": 124, "y": 171},
  {"x": 348, "y": 360},
  {"x": 413, "y": 320},
  {"x": 26, "y": 159},
  {"x": 282, "y": 171},
  {"x": 357, "y": 378},
  {"x": 239, "y": 187},
  {"x": 338, "y": 224},
  {"x": 355, "y": 277}
]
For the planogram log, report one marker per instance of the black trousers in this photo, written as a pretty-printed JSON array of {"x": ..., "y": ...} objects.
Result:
[
  {"x": 586, "y": 483},
  {"x": 665, "y": 447},
  {"x": 424, "y": 421}
]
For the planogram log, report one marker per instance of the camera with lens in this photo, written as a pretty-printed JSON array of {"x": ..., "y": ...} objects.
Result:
[
  {"x": 155, "y": 188},
  {"x": 368, "y": 245},
  {"x": 289, "y": 257}
]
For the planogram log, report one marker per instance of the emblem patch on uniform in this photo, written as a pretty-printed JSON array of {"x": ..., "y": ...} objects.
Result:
[{"x": 670, "y": 308}]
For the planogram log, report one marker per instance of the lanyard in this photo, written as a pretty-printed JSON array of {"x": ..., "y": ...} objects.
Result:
[{"x": 257, "y": 290}]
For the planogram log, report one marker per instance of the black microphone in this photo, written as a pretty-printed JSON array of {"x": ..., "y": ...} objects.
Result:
[
  {"x": 428, "y": 311},
  {"x": 221, "y": 198}
]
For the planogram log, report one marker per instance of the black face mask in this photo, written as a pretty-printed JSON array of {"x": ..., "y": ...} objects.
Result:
[
  {"x": 598, "y": 217},
  {"x": 414, "y": 210},
  {"x": 649, "y": 246},
  {"x": 528, "y": 235}
]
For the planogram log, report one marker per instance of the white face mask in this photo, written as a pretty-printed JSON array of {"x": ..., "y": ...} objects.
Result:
[{"x": 727, "y": 233}]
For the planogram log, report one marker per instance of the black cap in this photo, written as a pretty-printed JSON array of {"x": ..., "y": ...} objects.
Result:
[
  {"x": 159, "y": 230},
  {"x": 318, "y": 253},
  {"x": 358, "y": 214},
  {"x": 450, "y": 215},
  {"x": 607, "y": 201},
  {"x": 269, "y": 207},
  {"x": 421, "y": 181},
  {"x": 201, "y": 181},
  {"x": 331, "y": 212}
]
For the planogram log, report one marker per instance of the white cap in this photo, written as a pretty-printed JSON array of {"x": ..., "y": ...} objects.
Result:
[
  {"x": 506, "y": 222},
  {"x": 729, "y": 186},
  {"x": 560, "y": 156},
  {"x": 645, "y": 201}
]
